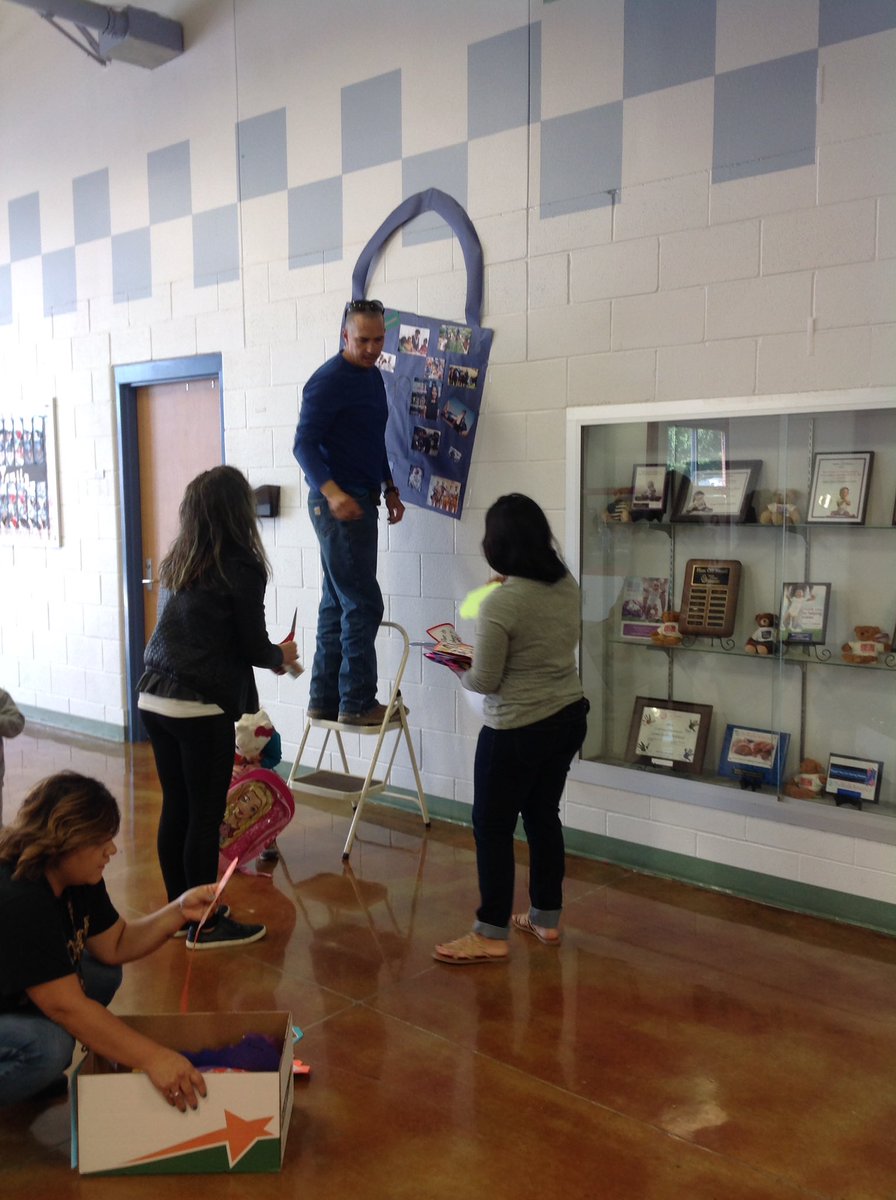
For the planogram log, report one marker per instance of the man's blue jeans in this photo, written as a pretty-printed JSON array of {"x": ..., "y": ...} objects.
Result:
[
  {"x": 344, "y": 675},
  {"x": 35, "y": 1051}
]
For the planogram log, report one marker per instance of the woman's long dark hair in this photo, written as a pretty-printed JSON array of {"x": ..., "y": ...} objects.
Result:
[
  {"x": 518, "y": 540},
  {"x": 217, "y": 514},
  {"x": 63, "y": 812}
]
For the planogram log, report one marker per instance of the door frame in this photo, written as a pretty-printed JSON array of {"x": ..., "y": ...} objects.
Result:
[{"x": 128, "y": 380}]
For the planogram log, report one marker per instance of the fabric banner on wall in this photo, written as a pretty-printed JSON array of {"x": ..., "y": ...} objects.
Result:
[{"x": 434, "y": 371}]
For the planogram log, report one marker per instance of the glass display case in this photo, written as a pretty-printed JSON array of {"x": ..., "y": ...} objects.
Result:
[{"x": 738, "y": 569}]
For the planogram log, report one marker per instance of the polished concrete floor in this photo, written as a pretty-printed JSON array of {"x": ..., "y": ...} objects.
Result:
[{"x": 680, "y": 1043}]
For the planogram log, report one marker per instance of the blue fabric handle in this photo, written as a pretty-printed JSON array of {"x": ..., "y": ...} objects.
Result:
[{"x": 432, "y": 200}]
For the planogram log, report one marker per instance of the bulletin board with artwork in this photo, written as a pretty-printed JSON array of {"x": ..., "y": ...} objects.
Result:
[{"x": 29, "y": 509}]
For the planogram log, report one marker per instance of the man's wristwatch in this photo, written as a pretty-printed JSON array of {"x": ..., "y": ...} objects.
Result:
[{"x": 390, "y": 489}]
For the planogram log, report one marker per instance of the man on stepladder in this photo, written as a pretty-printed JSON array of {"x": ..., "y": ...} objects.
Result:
[{"x": 340, "y": 445}]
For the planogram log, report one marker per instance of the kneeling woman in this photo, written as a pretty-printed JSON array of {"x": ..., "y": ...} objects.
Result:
[
  {"x": 535, "y": 721},
  {"x": 62, "y": 944}
]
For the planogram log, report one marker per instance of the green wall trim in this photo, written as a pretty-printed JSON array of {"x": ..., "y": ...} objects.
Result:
[
  {"x": 736, "y": 881},
  {"x": 72, "y": 724}
]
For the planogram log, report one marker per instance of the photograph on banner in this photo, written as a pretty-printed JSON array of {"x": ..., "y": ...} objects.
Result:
[{"x": 413, "y": 340}]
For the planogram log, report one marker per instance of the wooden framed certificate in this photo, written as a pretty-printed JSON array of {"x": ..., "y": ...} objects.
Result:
[
  {"x": 669, "y": 733},
  {"x": 709, "y": 597}
]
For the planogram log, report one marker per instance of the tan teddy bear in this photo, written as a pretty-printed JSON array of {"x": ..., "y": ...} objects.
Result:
[
  {"x": 781, "y": 509},
  {"x": 870, "y": 641},
  {"x": 808, "y": 782},
  {"x": 763, "y": 638},
  {"x": 668, "y": 633}
]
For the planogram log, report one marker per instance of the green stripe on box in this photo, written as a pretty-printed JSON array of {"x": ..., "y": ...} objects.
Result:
[{"x": 264, "y": 1156}]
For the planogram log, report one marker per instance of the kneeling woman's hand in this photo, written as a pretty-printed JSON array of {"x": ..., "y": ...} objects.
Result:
[{"x": 176, "y": 1078}]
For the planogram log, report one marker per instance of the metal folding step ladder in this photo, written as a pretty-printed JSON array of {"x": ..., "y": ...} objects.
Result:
[{"x": 342, "y": 785}]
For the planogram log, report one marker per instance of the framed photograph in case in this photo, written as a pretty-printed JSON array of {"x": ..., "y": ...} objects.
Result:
[
  {"x": 754, "y": 756},
  {"x": 644, "y": 600},
  {"x": 804, "y": 613},
  {"x": 718, "y": 495},
  {"x": 852, "y": 780},
  {"x": 839, "y": 491},
  {"x": 650, "y": 491},
  {"x": 669, "y": 733}
]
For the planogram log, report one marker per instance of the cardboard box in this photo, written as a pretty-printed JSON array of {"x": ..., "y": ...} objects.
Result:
[{"x": 122, "y": 1126}]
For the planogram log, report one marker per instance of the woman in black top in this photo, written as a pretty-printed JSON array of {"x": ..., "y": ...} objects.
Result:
[
  {"x": 198, "y": 679},
  {"x": 62, "y": 944}
]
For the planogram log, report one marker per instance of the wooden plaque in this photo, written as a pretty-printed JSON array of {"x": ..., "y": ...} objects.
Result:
[{"x": 709, "y": 598}]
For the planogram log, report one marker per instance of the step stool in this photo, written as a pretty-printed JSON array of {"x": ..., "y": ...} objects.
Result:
[{"x": 342, "y": 785}]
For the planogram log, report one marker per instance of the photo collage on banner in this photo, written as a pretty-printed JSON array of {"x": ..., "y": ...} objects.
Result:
[{"x": 434, "y": 371}]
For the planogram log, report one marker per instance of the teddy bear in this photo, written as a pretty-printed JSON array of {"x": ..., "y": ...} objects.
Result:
[
  {"x": 619, "y": 508},
  {"x": 870, "y": 641},
  {"x": 763, "y": 638},
  {"x": 808, "y": 782},
  {"x": 781, "y": 509},
  {"x": 668, "y": 633}
]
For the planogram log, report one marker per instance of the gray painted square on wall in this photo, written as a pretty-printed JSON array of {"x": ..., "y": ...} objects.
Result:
[
  {"x": 371, "y": 122},
  {"x": 445, "y": 169},
  {"x": 170, "y": 191},
  {"x": 667, "y": 43},
  {"x": 764, "y": 118},
  {"x": 131, "y": 266},
  {"x": 261, "y": 154},
  {"x": 5, "y": 294},
  {"x": 840, "y": 20},
  {"x": 24, "y": 227},
  {"x": 60, "y": 282},
  {"x": 581, "y": 160},
  {"x": 315, "y": 222},
  {"x": 504, "y": 81},
  {"x": 90, "y": 199},
  {"x": 216, "y": 246}
]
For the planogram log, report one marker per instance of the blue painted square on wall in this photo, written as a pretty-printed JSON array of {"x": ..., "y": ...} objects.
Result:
[
  {"x": 60, "y": 282},
  {"x": 170, "y": 191},
  {"x": 504, "y": 81},
  {"x": 90, "y": 199},
  {"x": 5, "y": 294},
  {"x": 445, "y": 169},
  {"x": 261, "y": 154},
  {"x": 764, "y": 117},
  {"x": 315, "y": 222},
  {"x": 371, "y": 122},
  {"x": 581, "y": 160},
  {"x": 216, "y": 246},
  {"x": 667, "y": 43},
  {"x": 131, "y": 266},
  {"x": 840, "y": 20},
  {"x": 24, "y": 227}
]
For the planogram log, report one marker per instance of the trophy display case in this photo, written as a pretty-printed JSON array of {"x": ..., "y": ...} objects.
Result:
[{"x": 737, "y": 560}]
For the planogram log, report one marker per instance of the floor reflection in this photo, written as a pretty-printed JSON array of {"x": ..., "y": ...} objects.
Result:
[{"x": 680, "y": 1043}]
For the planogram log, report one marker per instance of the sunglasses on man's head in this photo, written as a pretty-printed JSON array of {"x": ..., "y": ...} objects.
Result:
[{"x": 373, "y": 306}]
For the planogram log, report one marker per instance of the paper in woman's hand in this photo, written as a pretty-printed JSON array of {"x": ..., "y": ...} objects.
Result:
[{"x": 448, "y": 649}]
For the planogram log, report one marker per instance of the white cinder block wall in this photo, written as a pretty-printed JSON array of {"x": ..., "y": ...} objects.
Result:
[{"x": 682, "y": 289}]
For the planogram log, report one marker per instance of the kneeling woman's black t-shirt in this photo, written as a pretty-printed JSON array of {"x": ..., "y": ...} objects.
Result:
[{"x": 42, "y": 936}]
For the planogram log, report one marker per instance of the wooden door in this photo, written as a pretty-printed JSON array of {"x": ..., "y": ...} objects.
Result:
[{"x": 179, "y": 436}]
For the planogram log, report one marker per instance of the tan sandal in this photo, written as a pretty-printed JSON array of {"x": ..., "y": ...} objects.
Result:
[
  {"x": 523, "y": 922},
  {"x": 469, "y": 949}
]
